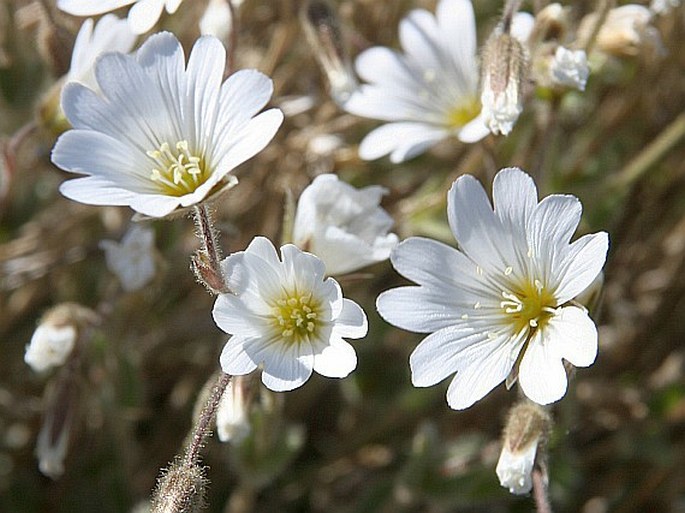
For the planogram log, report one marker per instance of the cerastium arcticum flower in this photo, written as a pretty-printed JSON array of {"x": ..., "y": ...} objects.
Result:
[
  {"x": 501, "y": 305},
  {"x": 427, "y": 93},
  {"x": 344, "y": 226},
  {"x": 161, "y": 135},
  {"x": 283, "y": 314}
]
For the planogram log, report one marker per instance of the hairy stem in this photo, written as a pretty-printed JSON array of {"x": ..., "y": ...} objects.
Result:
[
  {"x": 202, "y": 428},
  {"x": 210, "y": 246},
  {"x": 540, "y": 492}
]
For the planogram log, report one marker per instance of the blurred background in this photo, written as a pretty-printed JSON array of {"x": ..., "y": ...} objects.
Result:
[{"x": 371, "y": 442}]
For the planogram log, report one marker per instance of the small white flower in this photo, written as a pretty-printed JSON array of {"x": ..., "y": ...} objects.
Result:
[
  {"x": 162, "y": 135},
  {"x": 232, "y": 416},
  {"x": 503, "y": 300},
  {"x": 141, "y": 17},
  {"x": 111, "y": 34},
  {"x": 285, "y": 315},
  {"x": 569, "y": 68},
  {"x": 344, "y": 226},
  {"x": 217, "y": 20},
  {"x": 427, "y": 93},
  {"x": 50, "y": 346},
  {"x": 515, "y": 469},
  {"x": 132, "y": 260}
]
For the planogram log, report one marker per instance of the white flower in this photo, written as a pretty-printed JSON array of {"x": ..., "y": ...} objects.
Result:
[
  {"x": 232, "y": 416},
  {"x": 570, "y": 68},
  {"x": 345, "y": 227},
  {"x": 162, "y": 136},
  {"x": 515, "y": 469},
  {"x": 132, "y": 260},
  {"x": 503, "y": 300},
  {"x": 284, "y": 315},
  {"x": 141, "y": 17},
  {"x": 428, "y": 93},
  {"x": 111, "y": 34},
  {"x": 50, "y": 346}
]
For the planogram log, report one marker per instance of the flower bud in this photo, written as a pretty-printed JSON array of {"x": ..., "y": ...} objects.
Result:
[
  {"x": 217, "y": 20},
  {"x": 62, "y": 404},
  {"x": 625, "y": 31},
  {"x": 505, "y": 70},
  {"x": 233, "y": 415},
  {"x": 322, "y": 28},
  {"x": 569, "y": 68},
  {"x": 181, "y": 489},
  {"x": 56, "y": 335},
  {"x": 524, "y": 440},
  {"x": 551, "y": 23}
]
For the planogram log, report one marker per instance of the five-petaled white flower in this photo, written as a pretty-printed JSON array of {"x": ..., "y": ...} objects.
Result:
[
  {"x": 344, "y": 226},
  {"x": 503, "y": 302},
  {"x": 428, "y": 93},
  {"x": 285, "y": 315},
  {"x": 141, "y": 17},
  {"x": 161, "y": 136},
  {"x": 110, "y": 34},
  {"x": 132, "y": 260}
]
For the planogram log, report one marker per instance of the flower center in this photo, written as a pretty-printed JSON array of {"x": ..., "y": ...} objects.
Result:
[
  {"x": 463, "y": 113},
  {"x": 177, "y": 170},
  {"x": 530, "y": 306},
  {"x": 297, "y": 317}
]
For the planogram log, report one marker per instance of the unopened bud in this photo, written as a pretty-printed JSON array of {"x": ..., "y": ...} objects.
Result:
[
  {"x": 50, "y": 116},
  {"x": 233, "y": 415},
  {"x": 524, "y": 439},
  {"x": 322, "y": 27},
  {"x": 55, "y": 337},
  {"x": 569, "y": 68},
  {"x": 551, "y": 23},
  {"x": 181, "y": 489},
  {"x": 625, "y": 31},
  {"x": 217, "y": 20},
  {"x": 505, "y": 69},
  {"x": 61, "y": 408},
  {"x": 206, "y": 274}
]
